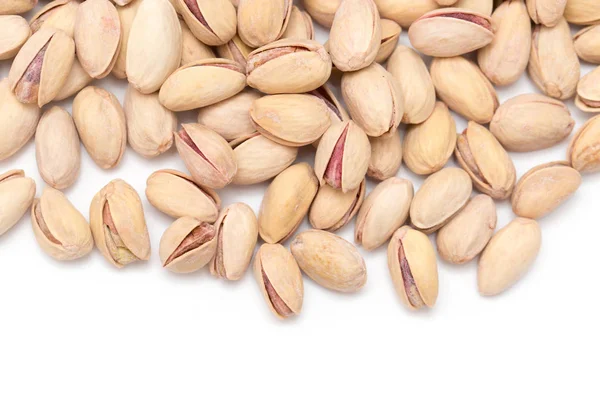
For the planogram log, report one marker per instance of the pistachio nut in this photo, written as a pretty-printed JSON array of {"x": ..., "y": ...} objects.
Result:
[
  {"x": 386, "y": 156},
  {"x": 337, "y": 112},
  {"x": 405, "y": 12},
  {"x": 100, "y": 121},
  {"x": 508, "y": 256},
  {"x": 60, "y": 229},
  {"x": 193, "y": 49},
  {"x": 322, "y": 11},
  {"x": 261, "y": 22},
  {"x": 587, "y": 44},
  {"x": 413, "y": 80},
  {"x": 555, "y": 79},
  {"x": 467, "y": 234},
  {"x": 187, "y": 245},
  {"x": 213, "y": 22},
  {"x": 237, "y": 234},
  {"x": 588, "y": 95},
  {"x": 543, "y": 188},
  {"x": 126, "y": 16},
  {"x": 343, "y": 155},
  {"x": 282, "y": 118},
  {"x": 428, "y": 146},
  {"x": 177, "y": 195},
  {"x": 8, "y": 7},
  {"x": 17, "y": 121},
  {"x": 440, "y": 198},
  {"x": 150, "y": 126},
  {"x": 413, "y": 267},
  {"x": 206, "y": 155},
  {"x": 97, "y": 36},
  {"x": 286, "y": 202},
  {"x": 235, "y": 50},
  {"x": 59, "y": 14},
  {"x": 390, "y": 34},
  {"x": 56, "y": 134},
  {"x": 355, "y": 35},
  {"x": 300, "y": 26},
  {"x": 332, "y": 209},
  {"x": 14, "y": 32},
  {"x": 76, "y": 80},
  {"x": 16, "y": 195},
  {"x": 280, "y": 280},
  {"x": 260, "y": 159},
  {"x": 42, "y": 66},
  {"x": 481, "y": 6},
  {"x": 464, "y": 88},
  {"x": 546, "y": 12},
  {"x": 582, "y": 12},
  {"x": 329, "y": 260},
  {"x": 384, "y": 211},
  {"x": 531, "y": 122},
  {"x": 288, "y": 66},
  {"x": 202, "y": 83},
  {"x": 584, "y": 150},
  {"x": 118, "y": 224}
]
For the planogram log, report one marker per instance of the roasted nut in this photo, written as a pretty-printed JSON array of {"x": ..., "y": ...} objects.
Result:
[
  {"x": 193, "y": 49},
  {"x": 332, "y": 209},
  {"x": 481, "y": 6},
  {"x": 16, "y": 195},
  {"x": 386, "y": 156},
  {"x": 390, "y": 33},
  {"x": 337, "y": 112},
  {"x": 588, "y": 95},
  {"x": 213, "y": 22},
  {"x": 300, "y": 26},
  {"x": 322, "y": 11},
  {"x": 126, "y": 16},
  {"x": 546, "y": 12},
  {"x": 235, "y": 50},
  {"x": 14, "y": 32},
  {"x": 16, "y": 6},
  {"x": 261, "y": 22},
  {"x": 76, "y": 80},
  {"x": 59, "y": 14},
  {"x": 584, "y": 150},
  {"x": 405, "y": 12},
  {"x": 187, "y": 245},
  {"x": 582, "y": 12},
  {"x": 230, "y": 118},
  {"x": 587, "y": 42}
]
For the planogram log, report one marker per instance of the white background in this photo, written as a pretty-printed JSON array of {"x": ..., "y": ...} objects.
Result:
[{"x": 86, "y": 330}]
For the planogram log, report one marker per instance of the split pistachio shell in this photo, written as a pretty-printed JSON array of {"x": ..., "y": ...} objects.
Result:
[
  {"x": 118, "y": 224},
  {"x": 16, "y": 195},
  {"x": 42, "y": 66},
  {"x": 150, "y": 126},
  {"x": 212, "y": 21},
  {"x": 97, "y": 37},
  {"x": 337, "y": 113},
  {"x": 56, "y": 134},
  {"x": 545, "y": 187},
  {"x": 126, "y": 16},
  {"x": 100, "y": 121},
  {"x": 76, "y": 80},
  {"x": 201, "y": 84},
  {"x": 329, "y": 260},
  {"x": 286, "y": 202},
  {"x": 206, "y": 155},
  {"x": 280, "y": 280},
  {"x": 588, "y": 95},
  {"x": 193, "y": 49},
  {"x": 546, "y": 12},
  {"x": 237, "y": 234},
  {"x": 386, "y": 156},
  {"x": 355, "y": 35},
  {"x": 413, "y": 79},
  {"x": 14, "y": 32},
  {"x": 177, "y": 195},
  {"x": 555, "y": 79},
  {"x": 413, "y": 267},
  {"x": 582, "y": 12},
  {"x": 60, "y": 229},
  {"x": 260, "y": 159},
  {"x": 230, "y": 118},
  {"x": 235, "y": 50},
  {"x": 322, "y": 11},
  {"x": 481, "y": 6},
  {"x": 429, "y": 145},
  {"x": 464, "y": 88},
  {"x": 59, "y": 14},
  {"x": 508, "y": 256},
  {"x": 262, "y": 21},
  {"x": 587, "y": 44},
  {"x": 405, "y": 12},
  {"x": 390, "y": 33},
  {"x": 300, "y": 26},
  {"x": 584, "y": 150},
  {"x": 343, "y": 155},
  {"x": 187, "y": 245},
  {"x": 531, "y": 122},
  {"x": 332, "y": 209},
  {"x": 384, "y": 211},
  {"x": 467, "y": 234},
  {"x": 288, "y": 66},
  {"x": 440, "y": 198}
]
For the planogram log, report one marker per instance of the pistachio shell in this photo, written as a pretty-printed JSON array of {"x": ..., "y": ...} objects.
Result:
[
  {"x": 235, "y": 50},
  {"x": 262, "y": 21},
  {"x": 481, "y": 6},
  {"x": 14, "y": 32},
  {"x": 16, "y": 6},
  {"x": 584, "y": 150},
  {"x": 405, "y": 12},
  {"x": 337, "y": 113},
  {"x": 390, "y": 33},
  {"x": 322, "y": 11},
  {"x": 332, "y": 209},
  {"x": 582, "y": 12},
  {"x": 300, "y": 26},
  {"x": 230, "y": 118},
  {"x": 211, "y": 21},
  {"x": 187, "y": 245},
  {"x": 587, "y": 44},
  {"x": 193, "y": 49},
  {"x": 76, "y": 80},
  {"x": 126, "y": 16},
  {"x": 588, "y": 95},
  {"x": 59, "y": 14},
  {"x": 386, "y": 156},
  {"x": 16, "y": 195},
  {"x": 546, "y": 12}
]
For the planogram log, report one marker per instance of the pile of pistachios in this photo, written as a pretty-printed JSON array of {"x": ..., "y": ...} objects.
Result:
[{"x": 263, "y": 88}]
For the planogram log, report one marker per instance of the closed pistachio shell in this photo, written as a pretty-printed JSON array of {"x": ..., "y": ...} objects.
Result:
[
  {"x": 300, "y": 26},
  {"x": 582, "y": 12},
  {"x": 584, "y": 150},
  {"x": 126, "y": 16},
  {"x": 192, "y": 48},
  {"x": 405, "y": 12},
  {"x": 332, "y": 209},
  {"x": 59, "y": 14},
  {"x": 230, "y": 118},
  {"x": 386, "y": 156},
  {"x": 546, "y": 12},
  {"x": 14, "y": 32},
  {"x": 587, "y": 44},
  {"x": 390, "y": 33},
  {"x": 76, "y": 80},
  {"x": 261, "y": 22},
  {"x": 322, "y": 11},
  {"x": 16, "y": 6},
  {"x": 16, "y": 195},
  {"x": 212, "y": 21},
  {"x": 187, "y": 245},
  {"x": 588, "y": 95},
  {"x": 481, "y": 6},
  {"x": 235, "y": 50}
]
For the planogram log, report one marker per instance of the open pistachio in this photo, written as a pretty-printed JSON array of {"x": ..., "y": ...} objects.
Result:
[
  {"x": 76, "y": 80},
  {"x": 337, "y": 113},
  {"x": 405, "y": 12},
  {"x": 587, "y": 44},
  {"x": 59, "y": 14},
  {"x": 16, "y": 6},
  {"x": 390, "y": 33},
  {"x": 546, "y": 12},
  {"x": 386, "y": 156},
  {"x": 588, "y": 95},
  {"x": 332, "y": 209},
  {"x": 582, "y": 12},
  {"x": 126, "y": 16},
  {"x": 187, "y": 245},
  {"x": 118, "y": 224},
  {"x": 213, "y": 22},
  {"x": 584, "y": 150},
  {"x": 235, "y": 50},
  {"x": 230, "y": 118},
  {"x": 481, "y": 6},
  {"x": 300, "y": 26},
  {"x": 322, "y": 11},
  {"x": 195, "y": 50},
  {"x": 16, "y": 195},
  {"x": 262, "y": 21},
  {"x": 413, "y": 267},
  {"x": 14, "y": 32}
]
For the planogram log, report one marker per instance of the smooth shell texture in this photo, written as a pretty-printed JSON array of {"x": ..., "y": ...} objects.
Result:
[
  {"x": 587, "y": 44},
  {"x": 322, "y": 11},
  {"x": 193, "y": 49},
  {"x": 126, "y": 16},
  {"x": 299, "y": 26},
  {"x": 230, "y": 118},
  {"x": 386, "y": 156},
  {"x": 332, "y": 209},
  {"x": 59, "y": 14},
  {"x": 76, "y": 80},
  {"x": 584, "y": 149},
  {"x": 405, "y": 12},
  {"x": 588, "y": 94},
  {"x": 390, "y": 34},
  {"x": 261, "y": 22},
  {"x": 582, "y": 12},
  {"x": 212, "y": 21},
  {"x": 546, "y": 12},
  {"x": 14, "y": 32},
  {"x": 16, "y": 195},
  {"x": 179, "y": 237}
]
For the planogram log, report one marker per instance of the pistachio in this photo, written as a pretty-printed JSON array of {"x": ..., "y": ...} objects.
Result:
[
  {"x": 150, "y": 126},
  {"x": 97, "y": 36},
  {"x": 337, "y": 113},
  {"x": 235, "y": 50},
  {"x": 384, "y": 211},
  {"x": 428, "y": 146},
  {"x": 343, "y": 155},
  {"x": 42, "y": 66},
  {"x": 213, "y": 22},
  {"x": 481, "y": 6},
  {"x": 587, "y": 42},
  {"x": 386, "y": 156},
  {"x": 17, "y": 6},
  {"x": 440, "y": 198},
  {"x": 206, "y": 155},
  {"x": 464, "y": 88},
  {"x": 329, "y": 260},
  {"x": 56, "y": 134},
  {"x": 16, "y": 195},
  {"x": 202, "y": 83},
  {"x": 582, "y": 12},
  {"x": 126, "y": 16},
  {"x": 14, "y": 32},
  {"x": 546, "y": 12},
  {"x": 413, "y": 79},
  {"x": 531, "y": 122},
  {"x": 280, "y": 280},
  {"x": 390, "y": 33},
  {"x": 322, "y": 11},
  {"x": 59, "y": 228},
  {"x": 187, "y": 245},
  {"x": 413, "y": 267},
  {"x": 588, "y": 96},
  {"x": 467, "y": 234},
  {"x": 405, "y": 12},
  {"x": 584, "y": 150},
  {"x": 177, "y": 195},
  {"x": 508, "y": 256},
  {"x": 195, "y": 50},
  {"x": 237, "y": 234},
  {"x": 100, "y": 121},
  {"x": 332, "y": 209},
  {"x": 230, "y": 118},
  {"x": 555, "y": 79},
  {"x": 300, "y": 26},
  {"x": 355, "y": 35},
  {"x": 76, "y": 80},
  {"x": 286, "y": 202},
  {"x": 261, "y": 22},
  {"x": 59, "y": 14},
  {"x": 118, "y": 224}
]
